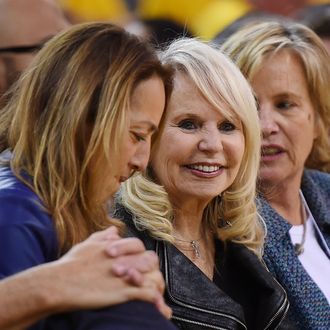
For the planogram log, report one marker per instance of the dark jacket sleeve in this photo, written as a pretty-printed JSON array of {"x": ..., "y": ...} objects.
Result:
[{"x": 135, "y": 315}]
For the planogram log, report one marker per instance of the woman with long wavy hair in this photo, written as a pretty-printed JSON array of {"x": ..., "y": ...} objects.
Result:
[
  {"x": 79, "y": 123},
  {"x": 195, "y": 204}
]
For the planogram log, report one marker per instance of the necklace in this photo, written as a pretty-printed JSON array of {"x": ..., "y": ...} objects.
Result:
[
  {"x": 193, "y": 246},
  {"x": 204, "y": 261},
  {"x": 299, "y": 247}
]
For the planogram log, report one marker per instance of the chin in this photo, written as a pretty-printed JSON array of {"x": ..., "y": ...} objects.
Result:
[
  {"x": 206, "y": 196},
  {"x": 270, "y": 180},
  {"x": 270, "y": 173},
  {"x": 111, "y": 191}
]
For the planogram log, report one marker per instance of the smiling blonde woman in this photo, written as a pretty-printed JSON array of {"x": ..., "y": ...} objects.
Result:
[{"x": 195, "y": 204}]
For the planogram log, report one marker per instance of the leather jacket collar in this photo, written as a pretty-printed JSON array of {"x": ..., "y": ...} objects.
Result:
[
  {"x": 259, "y": 302},
  {"x": 199, "y": 303},
  {"x": 196, "y": 300}
]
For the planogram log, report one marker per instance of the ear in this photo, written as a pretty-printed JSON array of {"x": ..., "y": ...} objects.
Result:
[{"x": 317, "y": 125}]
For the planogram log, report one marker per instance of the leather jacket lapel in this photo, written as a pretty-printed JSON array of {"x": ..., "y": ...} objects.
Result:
[
  {"x": 247, "y": 275},
  {"x": 193, "y": 297}
]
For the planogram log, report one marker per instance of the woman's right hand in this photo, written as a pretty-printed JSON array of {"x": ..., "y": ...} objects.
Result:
[
  {"x": 105, "y": 270},
  {"x": 139, "y": 268}
]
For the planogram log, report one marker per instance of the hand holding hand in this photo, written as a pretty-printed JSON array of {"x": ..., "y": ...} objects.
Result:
[{"x": 105, "y": 270}]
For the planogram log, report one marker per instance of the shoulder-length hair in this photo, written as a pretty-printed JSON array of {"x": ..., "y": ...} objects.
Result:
[
  {"x": 232, "y": 216},
  {"x": 248, "y": 48},
  {"x": 70, "y": 107}
]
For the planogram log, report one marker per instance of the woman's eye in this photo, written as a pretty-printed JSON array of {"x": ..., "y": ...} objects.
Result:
[
  {"x": 227, "y": 126},
  {"x": 187, "y": 124},
  {"x": 138, "y": 137},
  {"x": 284, "y": 105}
]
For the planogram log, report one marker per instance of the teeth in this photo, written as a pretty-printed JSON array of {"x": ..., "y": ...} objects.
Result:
[
  {"x": 204, "y": 168},
  {"x": 270, "y": 151}
]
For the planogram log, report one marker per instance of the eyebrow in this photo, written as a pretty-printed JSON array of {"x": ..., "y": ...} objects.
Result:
[
  {"x": 286, "y": 95},
  {"x": 189, "y": 115},
  {"x": 151, "y": 127}
]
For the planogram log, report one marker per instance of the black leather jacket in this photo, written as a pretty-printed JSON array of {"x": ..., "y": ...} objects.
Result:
[{"x": 243, "y": 294}]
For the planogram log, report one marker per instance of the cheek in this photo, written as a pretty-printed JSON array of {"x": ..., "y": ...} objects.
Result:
[
  {"x": 302, "y": 130},
  {"x": 160, "y": 160},
  {"x": 235, "y": 149},
  {"x": 314, "y": 122},
  {"x": 127, "y": 151},
  {"x": 168, "y": 147},
  {"x": 164, "y": 162},
  {"x": 111, "y": 185},
  {"x": 317, "y": 127},
  {"x": 130, "y": 151}
]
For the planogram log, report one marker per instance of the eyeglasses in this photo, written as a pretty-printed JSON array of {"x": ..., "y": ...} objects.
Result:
[
  {"x": 22, "y": 49},
  {"x": 27, "y": 48}
]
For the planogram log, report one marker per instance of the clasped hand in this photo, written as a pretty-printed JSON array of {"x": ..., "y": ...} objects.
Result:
[{"x": 106, "y": 269}]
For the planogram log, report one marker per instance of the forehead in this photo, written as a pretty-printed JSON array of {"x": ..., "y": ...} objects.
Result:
[
  {"x": 186, "y": 98},
  {"x": 283, "y": 70},
  {"x": 148, "y": 101},
  {"x": 27, "y": 22},
  {"x": 185, "y": 95},
  {"x": 326, "y": 41}
]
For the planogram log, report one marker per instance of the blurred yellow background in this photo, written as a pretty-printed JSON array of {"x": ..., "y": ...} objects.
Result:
[{"x": 203, "y": 18}]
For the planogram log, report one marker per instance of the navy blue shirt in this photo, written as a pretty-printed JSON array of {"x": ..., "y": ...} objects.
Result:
[{"x": 28, "y": 238}]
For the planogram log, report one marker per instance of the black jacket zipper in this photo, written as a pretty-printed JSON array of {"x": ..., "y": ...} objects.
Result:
[{"x": 285, "y": 305}]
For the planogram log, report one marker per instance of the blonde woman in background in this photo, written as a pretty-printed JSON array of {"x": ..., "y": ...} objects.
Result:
[
  {"x": 289, "y": 69},
  {"x": 195, "y": 204}
]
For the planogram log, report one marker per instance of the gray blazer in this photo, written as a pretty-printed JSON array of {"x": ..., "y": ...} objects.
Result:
[{"x": 309, "y": 308}]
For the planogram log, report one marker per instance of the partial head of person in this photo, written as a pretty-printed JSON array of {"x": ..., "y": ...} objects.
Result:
[
  {"x": 206, "y": 152},
  {"x": 24, "y": 28},
  {"x": 80, "y": 122},
  {"x": 289, "y": 69},
  {"x": 279, "y": 7},
  {"x": 252, "y": 17},
  {"x": 317, "y": 17}
]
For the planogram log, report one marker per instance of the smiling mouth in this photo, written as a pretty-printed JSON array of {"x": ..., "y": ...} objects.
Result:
[{"x": 205, "y": 168}]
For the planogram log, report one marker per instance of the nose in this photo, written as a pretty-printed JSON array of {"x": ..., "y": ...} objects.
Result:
[
  {"x": 210, "y": 141},
  {"x": 268, "y": 121},
  {"x": 140, "y": 159}
]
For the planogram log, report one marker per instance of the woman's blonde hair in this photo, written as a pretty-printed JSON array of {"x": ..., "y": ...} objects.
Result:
[
  {"x": 248, "y": 48},
  {"x": 232, "y": 216},
  {"x": 70, "y": 107}
]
